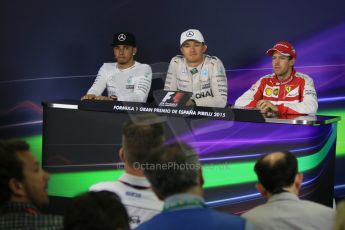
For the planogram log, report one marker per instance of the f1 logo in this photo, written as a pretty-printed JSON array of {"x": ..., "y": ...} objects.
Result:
[{"x": 168, "y": 96}]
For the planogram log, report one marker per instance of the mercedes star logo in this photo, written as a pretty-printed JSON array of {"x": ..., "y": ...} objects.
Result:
[
  {"x": 189, "y": 34},
  {"x": 121, "y": 37}
]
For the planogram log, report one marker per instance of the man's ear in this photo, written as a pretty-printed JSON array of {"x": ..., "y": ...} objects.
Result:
[
  {"x": 292, "y": 62},
  {"x": 261, "y": 189},
  {"x": 135, "y": 50},
  {"x": 182, "y": 51},
  {"x": 298, "y": 180},
  {"x": 204, "y": 48},
  {"x": 122, "y": 154},
  {"x": 17, "y": 188}
]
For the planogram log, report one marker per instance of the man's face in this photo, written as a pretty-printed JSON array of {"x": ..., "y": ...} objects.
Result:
[
  {"x": 193, "y": 51},
  {"x": 282, "y": 65},
  {"x": 35, "y": 182},
  {"x": 124, "y": 53}
]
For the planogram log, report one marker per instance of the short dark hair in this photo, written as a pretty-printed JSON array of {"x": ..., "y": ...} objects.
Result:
[
  {"x": 274, "y": 175},
  {"x": 141, "y": 134},
  {"x": 10, "y": 166},
  {"x": 180, "y": 176},
  {"x": 101, "y": 210}
]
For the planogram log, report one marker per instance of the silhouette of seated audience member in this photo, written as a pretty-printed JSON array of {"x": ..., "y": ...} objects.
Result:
[
  {"x": 125, "y": 79},
  {"x": 280, "y": 182},
  {"x": 23, "y": 190},
  {"x": 175, "y": 175},
  {"x": 96, "y": 211},
  {"x": 139, "y": 135}
]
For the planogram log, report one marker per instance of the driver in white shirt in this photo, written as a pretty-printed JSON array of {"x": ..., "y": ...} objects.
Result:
[
  {"x": 126, "y": 79},
  {"x": 197, "y": 72}
]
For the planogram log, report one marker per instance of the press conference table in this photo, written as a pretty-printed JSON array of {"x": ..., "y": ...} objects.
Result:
[{"x": 81, "y": 140}]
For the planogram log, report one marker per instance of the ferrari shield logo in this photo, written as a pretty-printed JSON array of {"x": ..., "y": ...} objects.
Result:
[
  {"x": 276, "y": 91},
  {"x": 288, "y": 89}
]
